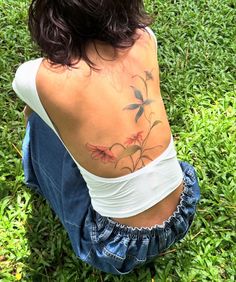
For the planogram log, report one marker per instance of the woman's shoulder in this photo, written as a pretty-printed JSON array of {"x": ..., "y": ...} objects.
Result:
[
  {"x": 27, "y": 67},
  {"x": 56, "y": 81},
  {"x": 148, "y": 35},
  {"x": 25, "y": 75}
]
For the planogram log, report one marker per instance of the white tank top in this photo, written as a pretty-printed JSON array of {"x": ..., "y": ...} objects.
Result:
[{"x": 119, "y": 197}]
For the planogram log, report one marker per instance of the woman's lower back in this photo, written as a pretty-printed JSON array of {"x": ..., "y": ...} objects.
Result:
[{"x": 157, "y": 214}]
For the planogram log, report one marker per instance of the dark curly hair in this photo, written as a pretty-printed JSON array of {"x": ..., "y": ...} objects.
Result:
[{"x": 63, "y": 28}]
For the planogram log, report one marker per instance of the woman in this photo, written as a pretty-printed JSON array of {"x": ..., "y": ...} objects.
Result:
[{"x": 98, "y": 111}]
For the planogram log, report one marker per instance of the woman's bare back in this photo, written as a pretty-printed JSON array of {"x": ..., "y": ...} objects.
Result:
[{"x": 113, "y": 121}]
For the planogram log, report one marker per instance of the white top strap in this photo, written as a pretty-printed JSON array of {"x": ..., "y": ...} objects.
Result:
[{"x": 150, "y": 31}]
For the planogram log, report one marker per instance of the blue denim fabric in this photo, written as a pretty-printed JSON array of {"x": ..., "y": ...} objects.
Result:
[{"x": 97, "y": 240}]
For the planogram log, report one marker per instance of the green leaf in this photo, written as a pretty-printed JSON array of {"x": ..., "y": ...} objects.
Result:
[
  {"x": 139, "y": 114},
  {"x": 129, "y": 151},
  {"x": 156, "y": 122},
  {"x": 148, "y": 102},
  {"x": 147, "y": 157},
  {"x": 138, "y": 94},
  {"x": 128, "y": 168},
  {"x": 132, "y": 107}
]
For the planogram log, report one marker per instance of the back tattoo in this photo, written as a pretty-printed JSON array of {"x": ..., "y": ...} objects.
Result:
[{"x": 135, "y": 144}]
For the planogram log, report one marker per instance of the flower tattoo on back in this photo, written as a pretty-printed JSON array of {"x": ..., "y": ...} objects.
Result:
[
  {"x": 135, "y": 138},
  {"x": 101, "y": 153},
  {"x": 136, "y": 143}
]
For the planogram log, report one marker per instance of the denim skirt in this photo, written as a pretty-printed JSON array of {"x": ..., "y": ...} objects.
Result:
[{"x": 99, "y": 241}]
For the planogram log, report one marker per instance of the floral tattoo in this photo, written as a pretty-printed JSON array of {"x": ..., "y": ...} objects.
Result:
[{"x": 136, "y": 143}]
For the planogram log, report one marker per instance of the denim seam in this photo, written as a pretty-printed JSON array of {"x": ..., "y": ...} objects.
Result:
[
  {"x": 134, "y": 257},
  {"x": 110, "y": 254},
  {"x": 45, "y": 173},
  {"x": 73, "y": 224},
  {"x": 88, "y": 255}
]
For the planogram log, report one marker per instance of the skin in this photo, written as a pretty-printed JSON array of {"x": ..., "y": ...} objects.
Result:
[{"x": 89, "y": 110}]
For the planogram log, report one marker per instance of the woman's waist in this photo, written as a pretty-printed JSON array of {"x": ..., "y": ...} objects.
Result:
[
  {"x": 129, "y": 196},
  {"x": 157, "y": 214}
]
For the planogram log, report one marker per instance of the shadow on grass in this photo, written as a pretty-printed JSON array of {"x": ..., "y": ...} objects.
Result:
[{"x": 51, "y": 258}]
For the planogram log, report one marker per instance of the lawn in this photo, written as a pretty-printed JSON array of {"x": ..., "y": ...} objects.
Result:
[{"x": 197, "y": 47}]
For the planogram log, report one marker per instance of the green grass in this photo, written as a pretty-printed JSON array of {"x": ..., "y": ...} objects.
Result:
[{"x": 197, "y": 62}]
